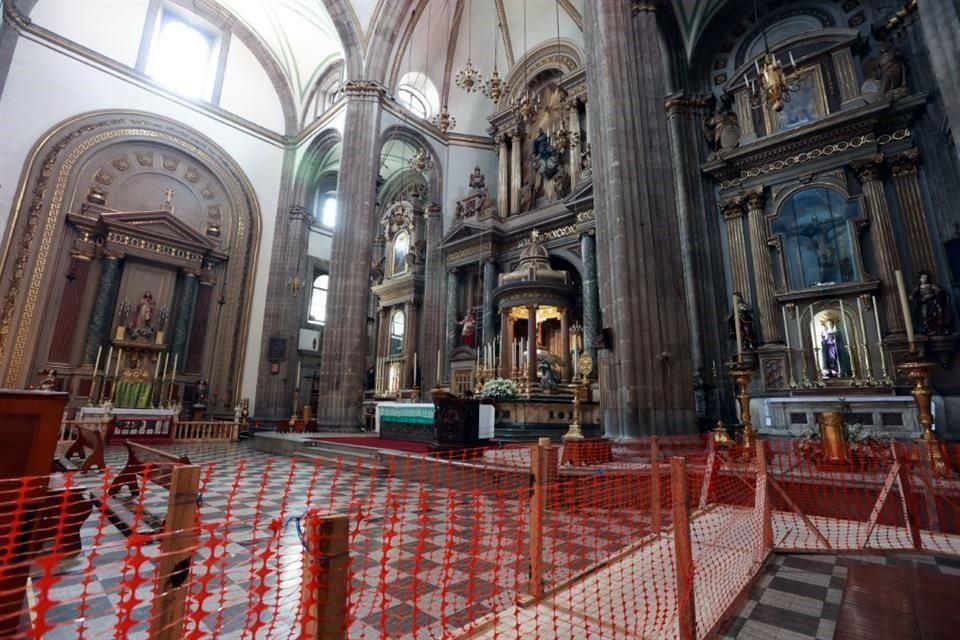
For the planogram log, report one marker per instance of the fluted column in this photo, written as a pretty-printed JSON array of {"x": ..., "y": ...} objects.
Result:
[
  {"x": 452, "y": 285},
  {"x": 515, "y": 173},
  {"x": 771, "y": 329},
  {"x": 532, "y": 343},
  {"x": 565, "y": 345},
  {"x": 434, "y": 338},
  {"x": 638, "y": 246},
  {"x": 884, "y": 244},
  {"x": 98, "y": 329},
  {"x": 940, "y": 20},
  {"x": 198, "y": 330},
  {"x": 919, "y": 245},
  {"x": 343, "y": 362},
  {"x": 591, "y": 298},
  {"x": 409, "y": 344},
  {"x": 733, "y": 216},
  {"x": 181, "y": 323},
  {"x": 489, "y": 311},
  {"x": 503, "y": 175},
  {"x": 506, "y": 345},
  {"x": 573, "y": 123}
]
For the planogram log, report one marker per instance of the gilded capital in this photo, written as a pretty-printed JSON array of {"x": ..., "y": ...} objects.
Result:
[
  {"x": 644, "y": 6},
  {"x": 869, "y": 170},
  {"x": 363, "y": 89},
  {"x": 905, "y": 163},
  {"x": 732, "y": 208},
  {"x": 755, "y": 200}
]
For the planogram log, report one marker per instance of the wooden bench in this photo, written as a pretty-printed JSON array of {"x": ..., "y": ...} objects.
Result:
[
  {"x": 150, "y": 464},
  {"x": 89, "y": 436}
]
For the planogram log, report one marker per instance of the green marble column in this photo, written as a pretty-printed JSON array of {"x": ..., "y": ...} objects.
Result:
[
  {"x": 181, "y": 325},
  {"x": 98, "y": 330}
]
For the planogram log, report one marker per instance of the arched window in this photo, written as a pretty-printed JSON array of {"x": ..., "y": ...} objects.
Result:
[
  {"x": 818, "y": 239},
  {"x": 181, "y": 55},
  {"x": 401, "y": 247},
  {"x": 397, "y": 322},
  {"x": 418, "y": 94},
  {"x": 318, "y": 300},
  {"x": 325, "y": 207},
  {"x": 413, "y": 101}
]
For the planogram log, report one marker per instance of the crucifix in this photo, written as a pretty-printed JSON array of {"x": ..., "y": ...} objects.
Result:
[{"x": 167, "y": 204}]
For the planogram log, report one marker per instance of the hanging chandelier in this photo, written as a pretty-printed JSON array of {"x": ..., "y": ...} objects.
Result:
[
  {"x": 469, "y": 78},
  {"x": 773, "y": 84},
  {"x": 444, "y": 121},
  {"x": 525, "y": 108},
  {"x": 422, "y": 162},
  {"x": 563, "y": 138},
  {"x": 493, "y": 88}
]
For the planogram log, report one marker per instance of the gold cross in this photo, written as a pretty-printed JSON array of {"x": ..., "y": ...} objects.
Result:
[{"x": 169, "y": 193}]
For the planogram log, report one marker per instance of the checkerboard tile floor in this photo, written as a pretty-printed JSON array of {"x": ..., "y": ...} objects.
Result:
[
  {"x": 464, "y": 550},
  {"x": 797, "y": 597}
]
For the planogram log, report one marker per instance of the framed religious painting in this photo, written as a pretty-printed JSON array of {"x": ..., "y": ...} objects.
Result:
[{"x": 807, "y": 103}]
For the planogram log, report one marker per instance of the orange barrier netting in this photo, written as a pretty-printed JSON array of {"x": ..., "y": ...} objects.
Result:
[{"x": 498, "y": 543}]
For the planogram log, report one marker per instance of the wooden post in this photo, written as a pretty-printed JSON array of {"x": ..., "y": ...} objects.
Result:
[
  {"x": 711, "y": 471},
  {"x": 687, "y": 617},
  {"x": 926, "y": 475},
  {"x": 177, "y": 542},
  {"x": 543, "y": 469},
  {"x": 910, "y": 509},
  {"x": 762, "y": 499},
  {"x": 656, "y": 500},
  {"x": 323, "y": 593}
]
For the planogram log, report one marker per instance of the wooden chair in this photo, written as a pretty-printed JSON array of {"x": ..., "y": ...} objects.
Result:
[{"x": 89, "y": 437}]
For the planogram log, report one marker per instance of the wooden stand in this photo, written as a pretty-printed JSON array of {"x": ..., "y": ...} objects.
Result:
[
  {"x": 543, "y": 467},
  {"x": 686, "y": 617},
  {"x": 323, "y": 594},
  {"x": 583, "y": 453}
]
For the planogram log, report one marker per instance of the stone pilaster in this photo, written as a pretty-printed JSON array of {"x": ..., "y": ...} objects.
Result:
[
  {"x": 452, "y": 332},
  {"x": 101, "y": 317},
  {"x": 637, "y": 228},
  {"x": 434, "y": 339},
  {"x": 67, "y": 327},
  {"x": 516, "y": 140},
  {"x": 503, "y": 175},
  {"x": 409, "y": 344},
  {"x": 489, "y": 310},
  {"x": 531, "y": 344},
  {"x": 771, "y": 328},
  {"x": 591, "y": 297},
  {"x": 919, "y": 245},
  {"x": 847, "y": 75},
  {"x": 181, "y": 322},
  {"x": 733, "y": 216},
  {"x": 565, "y": 345},
  {"x": 884, "y": 244},
  {"x": 940, "y": 20},
  {"x": 342, "y": 364},
  {"x": 198, "y": 332},
  {"x": 745, "y": 118},
  {"x": 573, "y": 123}
]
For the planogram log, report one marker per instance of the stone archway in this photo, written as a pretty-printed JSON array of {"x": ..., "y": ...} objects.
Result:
[{"x": 134, "y": 187}]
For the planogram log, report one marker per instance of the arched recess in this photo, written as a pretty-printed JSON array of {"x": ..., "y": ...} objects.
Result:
[
  {"x": 315, "y": 164},
  {"x": 561, "y": 56},
  {"x": 416, "y": 140},
  {"x": 147, "y": 190}
]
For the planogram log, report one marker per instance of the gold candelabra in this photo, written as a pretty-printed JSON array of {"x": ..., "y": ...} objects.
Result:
[
  {"x": 742, "y": 375},
  {"x": 584, "y": 367},
  {"x": 919, "y": 372}
]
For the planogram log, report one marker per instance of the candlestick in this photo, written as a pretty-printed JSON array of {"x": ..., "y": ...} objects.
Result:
[
  {"x": 414, "y": 368},
  {"x": 864, "y": 348},
  {"x": 156, "y": 370},
  {"x": 846, "y": 332},
  {"x": 299, "y": 363},
  {"x": 814, "y": 344},
  {"x": 905, "y": 308},
  {"x": 97, "y": 364},
  {"x": 883, "y": 358},
  {"x": 173, "y": 376},
  {"x": 737, "y": 329},
  {"x": 437, "y": 381}
]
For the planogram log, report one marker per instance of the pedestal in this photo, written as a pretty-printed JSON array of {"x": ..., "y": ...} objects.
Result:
[{"x": 584, "y": 453}]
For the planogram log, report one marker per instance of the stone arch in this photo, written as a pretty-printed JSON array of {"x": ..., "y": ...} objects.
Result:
[
  {"x": 345, "y": 21},
  {"x": 563, "y": 56},
  {"x": 100, "y": 152},
  {"x": 418, "y": 140},
  {"x": 311, "y": 167},
  {"x": 380, "y": 44}
]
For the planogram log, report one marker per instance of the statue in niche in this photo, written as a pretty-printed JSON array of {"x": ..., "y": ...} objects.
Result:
[
  {"x": 49, "y": 382},
  {"x": 548, "y": 375},
  {"x": 586, "y": 163},
  {"x": 893, "y": 72},
  {"x": 545, "y": 161},
  {"x": 526, "y": 198},
  {"x": 747, "y": 334},
  {"x": 376, "y": 270},
  {"x": 468, "y": 332},
  {"x": 722, "y": 130},
  {"x": 561, "y": 183},
  {"x": 477, "y": 180},
  {"x": 930, "y": 307},
  {"x": 141, "y": 325},
  {"x": 834, "y": 359}
]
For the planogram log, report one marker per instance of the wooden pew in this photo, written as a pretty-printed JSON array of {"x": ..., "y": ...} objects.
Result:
[
  {"x": 89, "y": 436},
  {"x": 150, "y": 464}
]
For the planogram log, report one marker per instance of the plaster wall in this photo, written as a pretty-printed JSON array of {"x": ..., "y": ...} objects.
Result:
[
  {"x": 247, "y": 90},
  {"x": 111, "y": 27}
]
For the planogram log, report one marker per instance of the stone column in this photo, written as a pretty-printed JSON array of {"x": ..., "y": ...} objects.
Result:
[
  {"x": 733, "y": 216},
  {"x": 638, "y": 245},
  {"x": 101, "y": 318},
  {"x": 503, "y": 175},
  {"x": 573, "y": 123},
  {"x": 919, "y": 244},
  {"x": 940, "y": 20},
  {"x": 181, "y": 323},
  {"x": 516, "y": 140},
  {"x": 198, "y": 330},
  {"x": 67, "y": 327},
  {"x": 591, "y": 298},
  {"x": 342, "y": 365},
  {"x": 489, "y": 311},
  {"x": 452, "y": 327},
  {"x": 532, "y": 344},
  {"x": 565, "y": 345},
  {"x": 383, "y": 334},
  {"x": 434, "y": 338},
  {"x": 745, "y": 118},
  {"x": 849, "y": 87},
  {"x": 771, "y": 329},
  {"x": 506, "y": 344},
  {"x": 884, "y": 244},
  {"x": 409, "y": 344}
]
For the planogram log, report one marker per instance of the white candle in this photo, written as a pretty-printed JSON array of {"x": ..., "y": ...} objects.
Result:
[
  {"x": 905, "y": 307},
  {"x": 156, "y": 370},
  {"x": 846, "y": 333},
  {"x": 736, "y": 326},
  {"x": 106, "y": 368},
  {"x": 876, "y": 318},
  {"x": 786, "y": 328},
  {"x": 173, "y": 372},
  {"x": 298, "y": 374},
  {"x": 166, "y": 361},
  {"x": 97, "y": 365},
  {"x": 813, "y": 340},
  {"x": 116, "y": 373},
  {"x": 437, "y": 381},
  {"x": 414, "y": 368}
]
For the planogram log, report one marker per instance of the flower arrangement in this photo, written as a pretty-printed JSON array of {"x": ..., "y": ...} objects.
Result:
[{"x": 499, "y": 389}]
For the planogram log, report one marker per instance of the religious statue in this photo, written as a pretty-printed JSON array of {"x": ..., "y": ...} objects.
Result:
[
  {"x": 469, "y": 331},
  {"x": 141, "y": 325},
  {"x": 548, "y": 377},
  {"x": 893, "y": 72},
  {"x": 201, "y": 392},
  {"x": 477, "y": 180},
  {"x": 930, "y": 307},
  {"x": 586, "y": 163},
  {"x": 747, "y": 335},
  {"x": 49, "y": 382},
  {"x": 545, "y": 160},
  {"x": 561, "y": 183},
  {"x": 834, "y": 359},
  {"x": 722, "y": 130},
  {"x": 376, "y": 270},
  {"x": 526, "y": 198}
]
